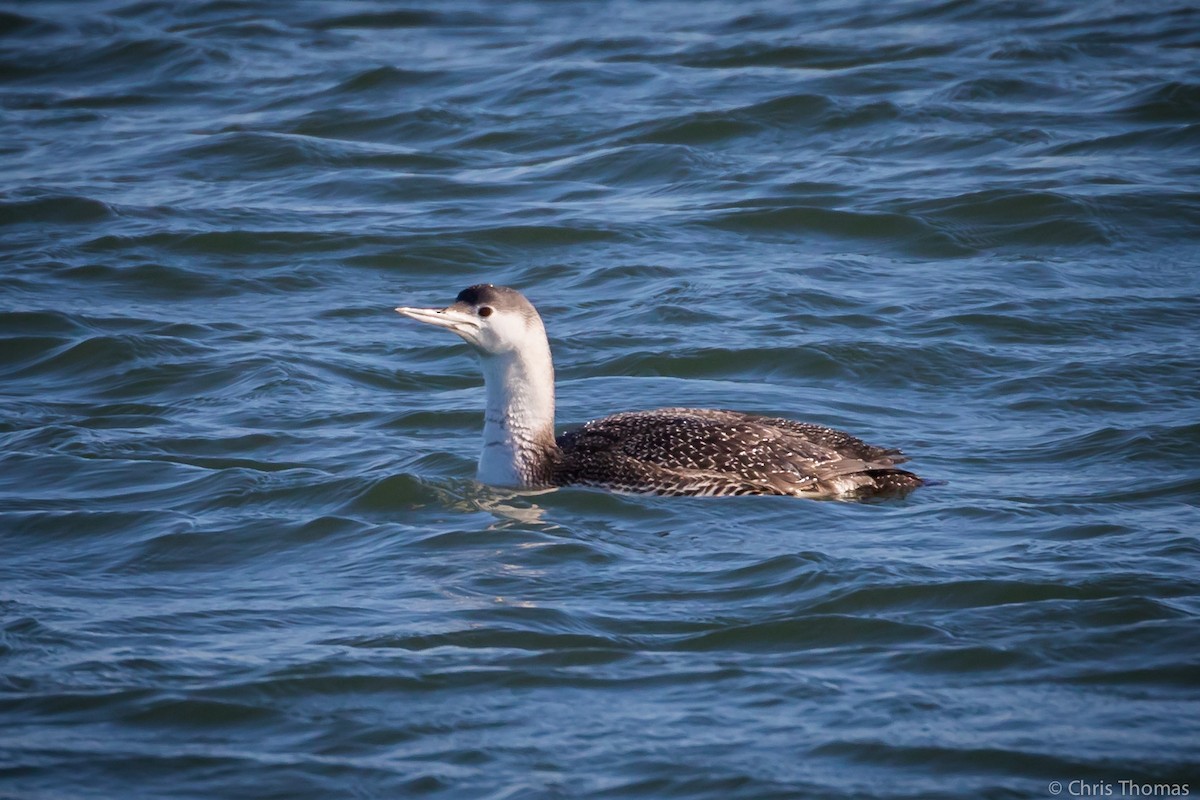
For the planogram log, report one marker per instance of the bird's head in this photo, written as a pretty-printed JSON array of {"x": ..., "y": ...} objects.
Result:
[{"x": 495, "y": 320}]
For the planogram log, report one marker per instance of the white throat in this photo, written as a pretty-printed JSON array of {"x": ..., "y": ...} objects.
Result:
[{"x": 518, "y": 429}]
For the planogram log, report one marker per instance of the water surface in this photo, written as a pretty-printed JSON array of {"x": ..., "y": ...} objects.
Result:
[{"x": 243, "y": 555}]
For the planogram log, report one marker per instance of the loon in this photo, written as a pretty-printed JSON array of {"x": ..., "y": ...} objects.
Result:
[{"x": 667, "y": 451}]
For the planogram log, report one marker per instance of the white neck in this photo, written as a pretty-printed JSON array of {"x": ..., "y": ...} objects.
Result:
[{"x": 518, "y": 430}]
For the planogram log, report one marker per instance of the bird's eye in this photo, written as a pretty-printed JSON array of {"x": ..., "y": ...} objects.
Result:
[{"x": 485, "y": 311}]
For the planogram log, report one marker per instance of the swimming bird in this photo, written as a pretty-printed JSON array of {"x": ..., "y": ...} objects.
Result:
[{"x": 667, "y": 451}]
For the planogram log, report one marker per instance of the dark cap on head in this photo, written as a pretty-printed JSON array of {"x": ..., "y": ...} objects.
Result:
[{"x": 500, "y": 297}]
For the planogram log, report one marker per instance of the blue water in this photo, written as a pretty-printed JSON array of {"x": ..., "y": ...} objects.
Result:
[{"x": 241, "y": 551}]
